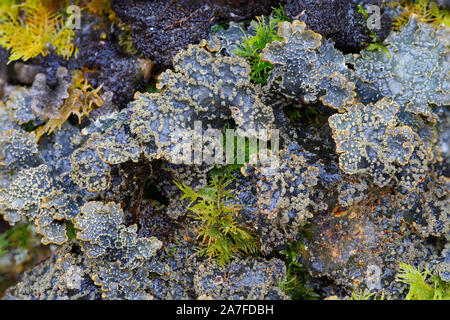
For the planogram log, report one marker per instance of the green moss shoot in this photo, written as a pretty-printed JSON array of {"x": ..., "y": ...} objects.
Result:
[
  {"x": 252, "y": 46},
  {"x": 213, "y": 207}
]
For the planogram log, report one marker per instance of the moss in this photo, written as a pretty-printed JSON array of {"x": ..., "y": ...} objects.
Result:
[
  {"x": 365, "y": 295},
  {"x": 220, "y": 25},
  {"x": 307, "y": 113},
  {"x": 99, "y": 7},
  {"x": 422, "y": 284},
  {"x": 32, "y": 27},
  {"x": 264, "y": 32},
  {"x": 81, "y": 99},
  {"x": 296, "y": 275},
  {"x": 425, "y": 11},
  {"x": 16, "y": 237},
  {"x": 125, "y": 39},
  {"x": 221, "y": 237},
  {"x": 71, "y": 231}
]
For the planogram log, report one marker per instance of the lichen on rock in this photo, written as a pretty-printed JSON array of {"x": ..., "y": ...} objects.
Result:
[
  {"x": 89, "y": 171},
  {"x": 64, "y": 276},
  {"x": 413, "y": 73},
  {"x": 102, "y": 233},
  {"x": 371, "y": 142},
  {"x": 241, "y": 279},
  {"x": 204, "y": 87},
  {"x": 119, "y": 284},
  {"x": 308, "y": 68},
  {"x": 18, "y": 149},
  {"x": 25, "y": 193},
  {"x": 360, "y": 184}
]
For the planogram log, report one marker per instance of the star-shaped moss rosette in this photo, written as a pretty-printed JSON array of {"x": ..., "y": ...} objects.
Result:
[
  {"x": 370, "y": 142},
  {"x": 308, "y": 68}
]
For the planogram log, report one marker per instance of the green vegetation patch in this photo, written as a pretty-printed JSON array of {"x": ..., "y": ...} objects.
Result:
[
  {"x": 213, "y": 206},
  {"x": 252, "y": 46}
]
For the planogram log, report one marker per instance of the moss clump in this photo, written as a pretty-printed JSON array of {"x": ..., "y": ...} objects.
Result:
[
  {"x": 296, "y": 275},
  {"x": 16, "y": 237},
  {"x": 33, "y": 27},
  {"x": 251, "y": 47},
  {"x": 82, "y": 99},
  {"x": 221, "y": 237},
  {"x": 365, "y": 295},
  {"x": 422, "y": 284},
  {"x": 425, "y": 11},
  {"x": 100, "y": 8}
]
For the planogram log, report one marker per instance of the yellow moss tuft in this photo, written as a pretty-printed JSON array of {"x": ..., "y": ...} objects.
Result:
[
  {"x": 82, "y": 99},
  {"x": 34, "y": 27},
  {"x": 425, "y": 11},
  {"x": 101, "y": 8}
]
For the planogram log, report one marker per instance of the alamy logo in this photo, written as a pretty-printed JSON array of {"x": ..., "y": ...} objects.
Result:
[
  {"x": 373, "y": 277},
  {"x": 215, "y": 147},
  {"x": 374, "y": 19},
  {"x": 73, "y": 22}
]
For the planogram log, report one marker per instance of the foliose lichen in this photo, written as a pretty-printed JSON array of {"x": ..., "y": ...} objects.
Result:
[
  {"x": 308, "y": 68},
  {"x": 371, "y": 142}
]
